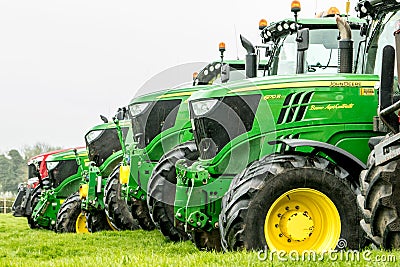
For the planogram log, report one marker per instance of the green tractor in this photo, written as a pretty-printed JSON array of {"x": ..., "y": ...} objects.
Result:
[
  {"x": 86, "y": 207},
  {"x": 160, "y": 122},
  {"x": 379, "y": 198},
  {"x": 106, "y": 151},
  {"x": 29, "y": 193},
  {"x": 64, "y": 174},
  {"x": 279, "y": 156}
]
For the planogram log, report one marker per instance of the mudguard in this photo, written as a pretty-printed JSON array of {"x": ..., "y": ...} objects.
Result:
[{"x": 342, "y": 158}]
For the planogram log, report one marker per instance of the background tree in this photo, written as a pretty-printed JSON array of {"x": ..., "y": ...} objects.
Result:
[
  {"x": 38, "y": 148},
  {"x": 13, "y": 166},
  {"x": 12, "y": 170}
]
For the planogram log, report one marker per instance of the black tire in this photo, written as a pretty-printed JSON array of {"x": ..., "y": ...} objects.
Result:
[
  {"x": 33, "y": 202},
  {"x": 161, "y": 191},
  {"x": 97, "y": 221},
  {"x": 140, "y": 212},
  {"x": 116, "y": 209},
  {"x": 68, "y": 214},
  {"x": 252, "y": 192},
  {"x": 208, "y": 241},
  {"x": 380, "y": 203}
]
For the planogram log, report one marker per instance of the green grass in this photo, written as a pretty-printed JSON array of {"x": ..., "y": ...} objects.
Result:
[{"x": 21, "y": 246}]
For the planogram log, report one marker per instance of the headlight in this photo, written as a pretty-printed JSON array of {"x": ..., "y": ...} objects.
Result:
[
  {"x": 93, "y": 135},
  {"x": 51, "y": 165},
  {"x": 201, "y": 107},
  {"x": 136, "y": 109}
]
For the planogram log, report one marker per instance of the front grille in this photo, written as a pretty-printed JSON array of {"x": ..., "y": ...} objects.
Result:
[
  {"x": 105, "y": 145},
  {"x": 63, "y": 170},
  {"x": 231, "y": 117},
  {"x": 160, "y": 116},
  {"x": 294, "y": 107}
]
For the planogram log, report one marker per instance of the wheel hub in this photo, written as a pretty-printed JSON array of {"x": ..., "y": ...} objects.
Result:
[
  {"x": 302, "y": 219},
  {"x": 296, "y": 225},
  {"x": 81, "y": 226}
]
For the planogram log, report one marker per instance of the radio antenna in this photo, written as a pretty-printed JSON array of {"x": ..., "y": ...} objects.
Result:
[
  {"x": 236, "y": 42},
  {"x": 316, "y": 7}
]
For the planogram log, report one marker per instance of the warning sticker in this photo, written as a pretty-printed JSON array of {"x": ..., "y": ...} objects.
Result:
[{"x": 367, "y": 91}]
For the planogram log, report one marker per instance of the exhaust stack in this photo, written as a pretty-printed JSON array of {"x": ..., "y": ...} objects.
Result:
[
  {"x": 345, "y": 46},
  {"x": 251, "y": 58}
]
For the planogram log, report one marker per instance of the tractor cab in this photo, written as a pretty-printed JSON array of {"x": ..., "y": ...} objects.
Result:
[
  {"x": 318, "y": 37},
  {"x": 62, "y": 165}
]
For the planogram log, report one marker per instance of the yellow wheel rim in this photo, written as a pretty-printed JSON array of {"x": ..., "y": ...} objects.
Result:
[
  {"x": 80, "y": 225},
  {"x": 302, "y": 219},
  {"x": 111, "y": 224}
]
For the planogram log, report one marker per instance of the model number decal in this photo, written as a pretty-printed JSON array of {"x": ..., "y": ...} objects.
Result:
[
  {"x": 332, "y": 107},
  {"x": 268, "y": 97}
]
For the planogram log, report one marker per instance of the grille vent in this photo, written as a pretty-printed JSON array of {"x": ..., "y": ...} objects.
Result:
[{"x": 294, "y": 107}]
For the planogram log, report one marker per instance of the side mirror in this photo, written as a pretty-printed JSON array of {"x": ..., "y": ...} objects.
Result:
[
  {"x": 121, "y": 113},
  {"x": 303, "y": 42},
  {"x": 103, "y": 118},
  {"x": 303, "y": 39},
  {"x": 225, "y": 70}
]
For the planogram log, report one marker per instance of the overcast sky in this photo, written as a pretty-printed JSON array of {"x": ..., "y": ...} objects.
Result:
[{"x": 62, "y": 63}]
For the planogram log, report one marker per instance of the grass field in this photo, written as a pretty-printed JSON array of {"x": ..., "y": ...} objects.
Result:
[{"x": 21, "y": 246}]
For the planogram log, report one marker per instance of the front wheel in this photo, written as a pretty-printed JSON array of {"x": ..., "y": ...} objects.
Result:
[
  {"x": 33, "y": 202},
  {"x": 291, "y": 202},
  {"x": 161, "y": 191},
  {"x": 140, "y": 211},
  {"x": 117, "y": 210},
  {"x": 70, "y": 218},
  {"x": 97, "y": 221}
]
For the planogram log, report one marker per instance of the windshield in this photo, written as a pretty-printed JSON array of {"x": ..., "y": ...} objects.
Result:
[
  {"x": 32, "y": 171},
  {"x": 219, "y": 122},
  {"x": 386, "y": 37},
  {"x": 62, "y": 171},
  {"x": 322, "y": 54},
  {"x": 104, "y": 144},
  {"x": 151, "y": 118}
]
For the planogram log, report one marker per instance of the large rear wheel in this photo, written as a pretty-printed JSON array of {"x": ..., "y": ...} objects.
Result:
[
  {"x": 291, "y": 202},
  {"x": 161, "y": 191},
  {"x": 117, "y": 210},
  {"x": 380, "y": 203}
]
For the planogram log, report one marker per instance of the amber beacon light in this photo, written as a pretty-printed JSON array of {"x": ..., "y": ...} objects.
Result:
[
  {"x": 262, "y": 24},
  {"x": 221, "y": 46},
  {"x": 295, "y": 6}
]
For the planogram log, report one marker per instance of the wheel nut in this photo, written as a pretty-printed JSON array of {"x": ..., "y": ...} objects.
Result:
[
  {"x": 198, "y": 224},
  {"x": 276, "y": 225},
  {"x": 179, "y": 215},
  {"x": 216, "y": 225},
  {"x": 287, "y": 208},
  {"x": 280, "y": 235},
  {"x": 289, "y": 240},
  {"x": 297, "y": 207}
]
